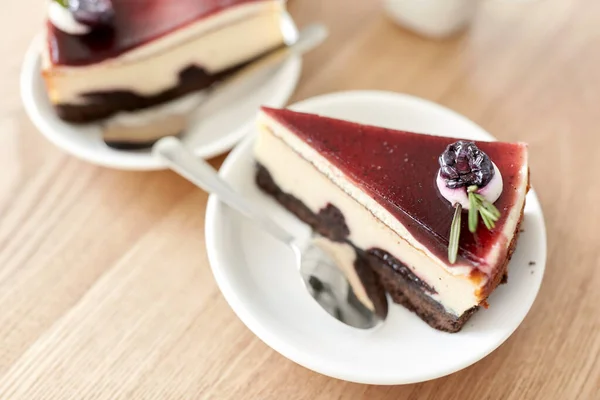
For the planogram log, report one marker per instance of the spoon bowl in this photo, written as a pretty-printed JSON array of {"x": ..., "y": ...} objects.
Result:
[
  {"x": 325, "y": 282},
  {"x": 329, "y": 287}
]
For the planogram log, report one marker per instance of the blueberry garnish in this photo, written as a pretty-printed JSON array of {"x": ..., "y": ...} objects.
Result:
[
  {"x": 93, "y": 13},
  {"x": 462, "y": 164}
]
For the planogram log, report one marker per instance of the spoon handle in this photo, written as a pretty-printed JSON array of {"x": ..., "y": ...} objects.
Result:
[{"x": 203, "y": 175}]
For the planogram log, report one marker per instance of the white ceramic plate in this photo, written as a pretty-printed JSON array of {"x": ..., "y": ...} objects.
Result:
[
  {"x": 257, "y": 277},
  {"x": 217, "y": 131}
]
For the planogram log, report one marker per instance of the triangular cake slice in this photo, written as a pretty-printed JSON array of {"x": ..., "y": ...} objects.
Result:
[
  {"x": 374, "y": 189},
  {"x": 138, "y": 66}
]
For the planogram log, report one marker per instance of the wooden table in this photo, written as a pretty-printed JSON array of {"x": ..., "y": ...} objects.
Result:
[{"x": 105, "y": 288}]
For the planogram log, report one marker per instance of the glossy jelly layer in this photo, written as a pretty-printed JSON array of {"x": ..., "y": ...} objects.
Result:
[
  {"x": 136, "y": 22},
  {"x": 398, "y": 169}
]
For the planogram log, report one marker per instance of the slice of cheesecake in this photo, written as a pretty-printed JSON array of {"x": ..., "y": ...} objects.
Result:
[
  {"x": 377, "y": 190},
  {"x": 146, "y": 61}
]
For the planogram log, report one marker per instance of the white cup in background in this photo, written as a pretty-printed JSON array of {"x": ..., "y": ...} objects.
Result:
[{"x": 432, "y": 18}]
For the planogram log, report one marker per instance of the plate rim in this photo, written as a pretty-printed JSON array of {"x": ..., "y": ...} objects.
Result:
[
  {"x": 289, "y": 350},
  {"x": 31, "y": 66}
]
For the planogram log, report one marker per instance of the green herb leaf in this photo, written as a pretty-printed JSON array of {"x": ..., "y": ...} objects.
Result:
[
  {"x": 64, "y": 3},
  {"x": 473, "y": 217},
  {"x": 488, "y": 216},
  {"x": 478, "y": 206},
  {"x": 454, "y": 235},
  {"x": 491, "y": 209},
  {"x": 489, "y": 224}
]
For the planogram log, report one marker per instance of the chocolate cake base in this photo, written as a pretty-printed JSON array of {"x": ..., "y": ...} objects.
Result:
[
  {"x": 390, "y": 275},
  {"x": 128, "y": 145},
  {"x": 104, "y": 104},
  {"x": 405, "y": 292}
]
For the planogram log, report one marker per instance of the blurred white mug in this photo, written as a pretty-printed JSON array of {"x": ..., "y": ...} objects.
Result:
[{"x": 432, "y": 18}]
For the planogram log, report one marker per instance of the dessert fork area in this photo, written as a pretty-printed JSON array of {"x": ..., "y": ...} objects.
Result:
[{"x": 106, "y": 291}]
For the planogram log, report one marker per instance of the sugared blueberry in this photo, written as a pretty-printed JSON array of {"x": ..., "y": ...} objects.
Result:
[
  {"x": 93, "y": 13},
  {"x": 463, "y": 164}
]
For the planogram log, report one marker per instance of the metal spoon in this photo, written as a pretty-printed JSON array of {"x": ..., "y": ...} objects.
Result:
[{"x": 323, "y": 279}]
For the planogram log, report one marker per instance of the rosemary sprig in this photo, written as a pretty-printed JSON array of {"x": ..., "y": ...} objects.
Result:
[
  {"x": 488, "y": 206},
  {"x": 478, "y": 206},
  {"x": 473, "y": 217},
  {"x": 454, "y": 234},
  {"x": 489, "y": 224}
]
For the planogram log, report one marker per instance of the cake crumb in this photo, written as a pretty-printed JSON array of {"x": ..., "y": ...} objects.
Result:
[
  {"x": 531, "y": 263},
  {"x": 521, "y": 230}
]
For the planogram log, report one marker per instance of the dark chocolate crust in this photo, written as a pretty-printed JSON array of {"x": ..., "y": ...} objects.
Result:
[
  {"x": 128, "y": 145},
  {"x": 104, "y": 104},
  {"x": 391, "y": 275},
  {"x": 403, "y": 291},
  {"x": 385, "y": 258}
]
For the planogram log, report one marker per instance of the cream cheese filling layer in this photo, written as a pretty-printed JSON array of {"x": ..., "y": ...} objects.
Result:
[
  {"x": 216, "y": 43},
  {"x": 298, "y": 177}
]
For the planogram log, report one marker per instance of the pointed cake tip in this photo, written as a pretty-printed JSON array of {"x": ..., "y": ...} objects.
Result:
[{"x": 268, "y": 110}]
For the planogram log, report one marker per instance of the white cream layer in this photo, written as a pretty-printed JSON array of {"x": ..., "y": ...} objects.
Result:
[
  {"x": 216, "y": 43},
  {"x": 298, "y": 177}
]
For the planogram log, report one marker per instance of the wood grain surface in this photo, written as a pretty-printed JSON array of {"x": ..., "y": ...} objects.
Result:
[{"x": 105, "y": 288}]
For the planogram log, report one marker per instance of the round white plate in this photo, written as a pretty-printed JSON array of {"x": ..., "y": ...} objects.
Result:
[
  {"x": 216, "y": 132},
  {"x": 257, "y": 276}
]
